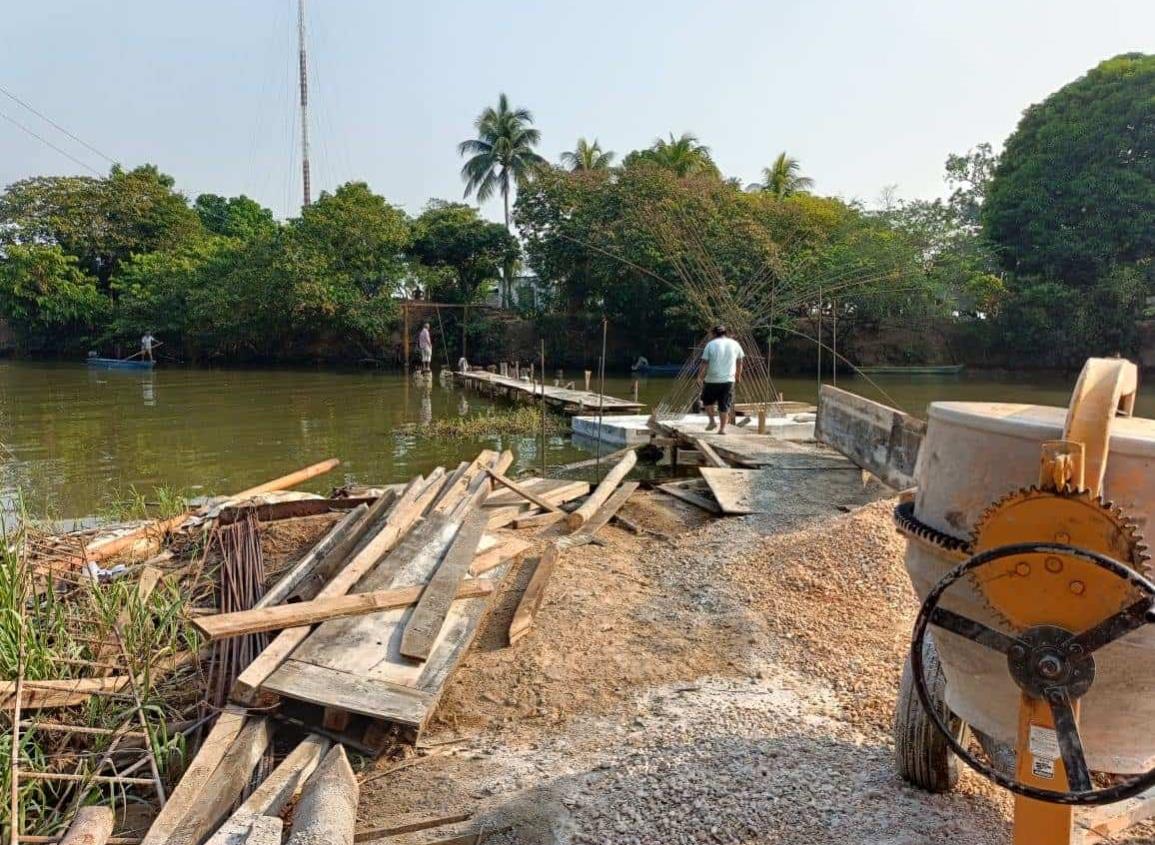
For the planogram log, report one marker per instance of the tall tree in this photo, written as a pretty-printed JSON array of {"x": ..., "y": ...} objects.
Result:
[
  {"x": 587, "y": 156},
  {"x": 682, "y": 156},
  {"x": 501, "y": 157},
  {"x": 1072, "y": 195},
  {"x": 783, "y": 178},
  {"x": 454, "y": 236}
]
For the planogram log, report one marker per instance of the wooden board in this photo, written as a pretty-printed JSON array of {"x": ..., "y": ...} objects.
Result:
[
  {"x": 531, "y": 600},
  {"x": 878, "y": 438},
  {"x": 603, "y": 515},
  {"x": 356, "y": 664},
  {"x": 564, "y": 399},
  {"x": 690, "y": 496},
  {"x": 790, "y": 491},
  {"x": 410, "y": 823},
  {"x": 428, "y": 616}
]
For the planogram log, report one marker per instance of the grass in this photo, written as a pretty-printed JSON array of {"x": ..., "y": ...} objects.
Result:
[
  {"x": 519, "y": 421},
  {"x": 132, "y": 504},
  {"x": 61, "y": 625}
]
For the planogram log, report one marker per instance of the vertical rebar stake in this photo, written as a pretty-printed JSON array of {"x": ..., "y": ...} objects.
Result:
[{"x": 544, "y": 470}]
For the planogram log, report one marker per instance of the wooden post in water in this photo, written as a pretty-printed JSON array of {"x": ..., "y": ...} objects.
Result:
[
  {"x": 589, "y": 374},
  {"x": 405, "y": 334},
  {"x": 635, "y": 390},
  {"x": 543, "y": 443}
]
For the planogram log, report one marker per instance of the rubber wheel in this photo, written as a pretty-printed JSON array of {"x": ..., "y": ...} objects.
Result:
[{"x": 921, "y": 752}]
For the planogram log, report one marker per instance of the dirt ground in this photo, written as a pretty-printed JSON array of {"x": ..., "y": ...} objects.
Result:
[{"x": 734, "y": 684}]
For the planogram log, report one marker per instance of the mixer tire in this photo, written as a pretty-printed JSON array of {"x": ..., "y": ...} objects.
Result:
[{"x": 922, "y": 754}]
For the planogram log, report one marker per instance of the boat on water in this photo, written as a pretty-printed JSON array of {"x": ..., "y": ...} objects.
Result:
[
  {"x": 915, "y": 370},
  {"x": 119, "y": 363}
]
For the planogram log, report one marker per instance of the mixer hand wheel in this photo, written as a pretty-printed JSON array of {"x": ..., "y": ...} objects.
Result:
[{"x": 1047, "y": 662}]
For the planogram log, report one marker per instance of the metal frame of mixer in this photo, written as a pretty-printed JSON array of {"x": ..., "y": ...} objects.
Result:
[{"x": 1026, "y": 539}]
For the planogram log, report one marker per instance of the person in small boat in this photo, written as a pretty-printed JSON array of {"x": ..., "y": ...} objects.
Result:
[
  {"x": 146, "y": 344},
  {"x": 719, "y": 370},
  {"x": 643, "y": 363}
]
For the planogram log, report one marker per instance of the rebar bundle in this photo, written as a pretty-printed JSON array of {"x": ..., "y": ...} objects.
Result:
[{"x": 242, "y": 579}]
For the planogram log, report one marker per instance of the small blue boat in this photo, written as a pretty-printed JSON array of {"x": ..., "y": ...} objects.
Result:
[{"x": 120, "y": 363}]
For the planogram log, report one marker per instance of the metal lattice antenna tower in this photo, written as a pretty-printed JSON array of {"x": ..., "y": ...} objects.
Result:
[{"x": 304, "y": 102}]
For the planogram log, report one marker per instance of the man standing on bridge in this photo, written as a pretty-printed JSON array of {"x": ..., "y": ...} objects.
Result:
[
  {"x": 719, "y": 370},
  {"x": 425, "y": 345}
]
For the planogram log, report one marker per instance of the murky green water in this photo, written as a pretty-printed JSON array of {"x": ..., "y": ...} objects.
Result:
[{"x": 73, "y": 437}]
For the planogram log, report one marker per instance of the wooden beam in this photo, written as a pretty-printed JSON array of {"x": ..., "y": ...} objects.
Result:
[
  {"x": 533, "y": 498},
  {"x": 336, "y": 558},
  {"x": 407, "y": 511},
  {"x": 274, "y": 793},
  {"x": 527, "y": 608},
  {"x": 410, "y": 823},
  {"x": 188, "y": 791},
  {"x": 265, "y": 830},
  {"x": 712, "y": 457},
  {"x": 880, "y": 439},
  {"x": 245, "y": 622},
  {"x": 226, "y": 784},
  {"x": 603, "y": 490},
  {"x": 327, "y": 811},
  {"x": 425, "y": 624},
  {"x": 92, "y": 825},
  {"x": 691, "y": 497},
  {"x": 309, "y": 561},
  {"x": 539, "y": 520},
  {"x": 495, "y": 557}
]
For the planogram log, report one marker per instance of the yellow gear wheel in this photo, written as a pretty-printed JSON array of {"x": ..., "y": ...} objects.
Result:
[{"x": 1055, "y": 589}]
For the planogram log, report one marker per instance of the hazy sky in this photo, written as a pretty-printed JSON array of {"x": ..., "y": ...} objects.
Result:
[{"x": 865, "y": 94}]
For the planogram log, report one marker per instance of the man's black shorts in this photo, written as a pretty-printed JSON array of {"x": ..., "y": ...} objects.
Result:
[{"x": 720, "y": 393}]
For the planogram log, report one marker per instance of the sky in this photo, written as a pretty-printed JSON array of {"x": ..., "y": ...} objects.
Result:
[{"x": 865, "y": 94}]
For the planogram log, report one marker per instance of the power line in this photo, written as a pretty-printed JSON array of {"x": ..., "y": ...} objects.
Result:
[
  {"x": 52, "y": 122},
  {"x": 44, "y": 140}
]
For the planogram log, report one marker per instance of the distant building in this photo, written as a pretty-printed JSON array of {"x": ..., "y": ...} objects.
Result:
[{"x": 528, "y": 292}]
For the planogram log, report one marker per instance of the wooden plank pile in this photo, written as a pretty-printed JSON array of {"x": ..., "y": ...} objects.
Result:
[{"x": 369, "y": 626}]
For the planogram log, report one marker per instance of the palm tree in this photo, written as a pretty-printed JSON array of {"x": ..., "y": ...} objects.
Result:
[
  {"x": 501, "y": 155},
  {"x": 587, "y": 156},
  {"x": 684, "y": 156},
  {"x": 783, "y": 178}
]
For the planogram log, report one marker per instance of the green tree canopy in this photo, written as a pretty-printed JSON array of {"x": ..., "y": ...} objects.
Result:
[
  {"x": 45, "y": 296},
  {"x": 101, "y": 222},
  {"x": 502, "y": 154},
  {"x": 234, "y": 217},
  {"x": 454, "y": 236},
  {"x": 1074, "y": 191}
]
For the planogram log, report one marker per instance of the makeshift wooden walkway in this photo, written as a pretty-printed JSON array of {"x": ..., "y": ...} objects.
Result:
[{"x": 563, "y": 399}]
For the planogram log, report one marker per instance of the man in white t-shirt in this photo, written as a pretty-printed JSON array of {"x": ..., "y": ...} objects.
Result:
[{"x": 719, "y": 370}]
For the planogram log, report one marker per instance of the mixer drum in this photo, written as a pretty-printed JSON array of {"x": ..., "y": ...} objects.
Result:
[{"x": 974, "y": 454}]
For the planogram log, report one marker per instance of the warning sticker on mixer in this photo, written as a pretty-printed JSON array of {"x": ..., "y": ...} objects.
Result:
[
  {"x": 1042, "y": 768},
  {"x": 1044, "y": 743}
]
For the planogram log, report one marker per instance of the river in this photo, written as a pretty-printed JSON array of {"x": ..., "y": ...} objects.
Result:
[{"x": 72, "y": 439}]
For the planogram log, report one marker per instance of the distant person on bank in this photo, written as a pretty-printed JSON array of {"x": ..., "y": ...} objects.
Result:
[
  {"x": 718, "y": 372},
  {"x": 146, "y": 344},
  {"x": 425, "y": 345}
]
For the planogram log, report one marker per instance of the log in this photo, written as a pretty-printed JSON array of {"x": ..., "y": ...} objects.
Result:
[
  {"x": 188, "y": 791},
  {"x": 527, "y": 608},
  {"x": 256, "y": 621},
  {"x": 160, "y": 528},
  {"x": 265, "y": 830},
  {"x": 290, "y": 480},
  {"x": 91, "y": 826},
  {"x": 605, "y": 513},
  {"x": 226, "y": 784},
  {"x": 271, "y": 797},
  {"x": 603, "y": 490},
  {"x": 327, "y": 811},
  {"x": 425, "y": 624},
  {"x": 407, "y": 511},
  {"x": 532, "y": 498},
  {"x": 313, "y": 558}
]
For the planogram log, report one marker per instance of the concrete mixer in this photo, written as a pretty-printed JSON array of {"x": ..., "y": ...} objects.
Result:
[{"x": 1033, "y": 655}]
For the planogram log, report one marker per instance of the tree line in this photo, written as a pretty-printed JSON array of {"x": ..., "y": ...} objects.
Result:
[{"x": 1043, "y": 250}]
